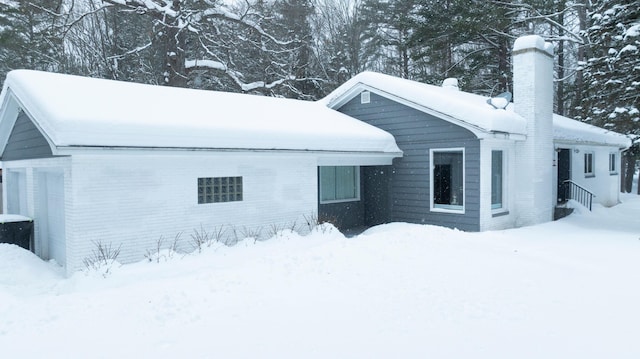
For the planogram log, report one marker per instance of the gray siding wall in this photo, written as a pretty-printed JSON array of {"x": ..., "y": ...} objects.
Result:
[
  {"x": 416, "y": 133},
  {"x": 25, "y": 141},
  {"x": 372, "y": 208}
]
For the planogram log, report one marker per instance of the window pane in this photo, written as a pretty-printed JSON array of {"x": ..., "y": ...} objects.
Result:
[
  {"x": 345, "y": 183},
  {"x": 612, "y": 162},
  {"x": 327, "y": 183},
  {"x": 338, "y": 183},
  {"x": 588, "y": 163},
  {"x": 496, "y": 179},
  {"x": 448, "y": 181},
  {"x": 219, "y": 189}
]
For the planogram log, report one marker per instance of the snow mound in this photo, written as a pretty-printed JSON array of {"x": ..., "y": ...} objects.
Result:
[{"x": 22, "y": 270}]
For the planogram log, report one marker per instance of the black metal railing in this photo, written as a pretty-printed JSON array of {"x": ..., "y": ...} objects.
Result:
[{"x": 578, "y": 193}]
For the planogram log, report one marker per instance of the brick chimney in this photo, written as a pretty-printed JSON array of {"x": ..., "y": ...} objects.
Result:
[{"x": 533, "y": 100}]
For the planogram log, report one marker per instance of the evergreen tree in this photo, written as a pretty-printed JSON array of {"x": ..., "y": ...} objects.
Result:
[
  {"x": 470, "y": 40},
  {"x": 612, "y": 73},
  {"x": 388, "y": 27},
  {"x": 31, "y": 36}
]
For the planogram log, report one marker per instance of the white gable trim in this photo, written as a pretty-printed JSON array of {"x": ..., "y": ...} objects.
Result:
[
  {"x": 9, "y": 110},
  {"x": 480, "y": 133}
]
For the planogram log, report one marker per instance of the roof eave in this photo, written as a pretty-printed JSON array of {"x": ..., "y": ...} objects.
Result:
[{"x": 367, "y": 156}]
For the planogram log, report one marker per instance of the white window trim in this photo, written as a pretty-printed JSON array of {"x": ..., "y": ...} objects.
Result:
[
  {"x": 440, "y": 209},
  {"x": 356, "y": 199},
  {"x": 593, "y": 164},
  {"x": 365, "y": 97},
  {"x": 505, "y": 182}
]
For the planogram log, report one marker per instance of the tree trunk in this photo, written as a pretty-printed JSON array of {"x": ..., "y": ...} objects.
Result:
[
  {"x": 174, "y": 72},
  {"x": 560, "y": 83},
  {"x": 629, "y": 172},
  {"x": 504, "y": 54},
  {"x": 581, "y": 56}
]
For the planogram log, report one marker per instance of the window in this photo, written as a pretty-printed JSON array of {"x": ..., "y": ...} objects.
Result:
[
  {"x": 497, "y": 178},
  {"x": 588, "y": 164},
  {"x": 339, "y": 184},
  {"x": 219, "y": 189},
  {"x": 612, "y": 163},
  {"x": 447, "y": 180},
  {"x": 365, "y": 97}
]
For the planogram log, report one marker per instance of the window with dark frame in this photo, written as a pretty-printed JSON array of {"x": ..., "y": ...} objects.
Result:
[
  {"x": 588, "y": 164},
  {"x": 612, "y": 163},
  {"x": 219, "y": 189},
  {"x": 496, "y": 179}
]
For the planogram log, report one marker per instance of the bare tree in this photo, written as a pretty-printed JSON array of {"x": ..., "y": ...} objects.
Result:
[{"x": 209, "y": 39}]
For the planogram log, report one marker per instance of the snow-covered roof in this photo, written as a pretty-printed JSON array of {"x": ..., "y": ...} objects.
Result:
[
  {"x": 81, "y": 111},
  {"x": 572, "y": 131},
  {"x": 468, "y": 110}
]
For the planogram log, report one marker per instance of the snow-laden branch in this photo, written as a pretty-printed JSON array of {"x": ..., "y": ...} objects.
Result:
[
  {"x": 160, "y": 7},
  {"x": 133, "y": 51},
  {"x": 204, "y": 64},
  {"x": 549, "y": 18},
  {"x": 221, "y": 13},
  {"x": 237, "y": 77}
]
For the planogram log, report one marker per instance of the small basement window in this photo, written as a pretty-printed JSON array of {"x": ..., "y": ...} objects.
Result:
[{"x": 219, "y": 189}]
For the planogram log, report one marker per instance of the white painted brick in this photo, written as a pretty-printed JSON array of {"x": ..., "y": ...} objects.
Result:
[
  {"x": 133, "y": 198},
  {"x": 487, "y": 220},
  {"x": 533, "y": 100},
  {"x": 604, "y": 185}
]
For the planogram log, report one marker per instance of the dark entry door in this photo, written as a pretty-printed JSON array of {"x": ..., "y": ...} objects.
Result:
[{"x": 564, "y": 172}]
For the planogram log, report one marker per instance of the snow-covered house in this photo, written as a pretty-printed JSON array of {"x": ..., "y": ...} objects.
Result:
[
  {"x": 100, "y": 161},
  {"x": 472, "y": 162}
]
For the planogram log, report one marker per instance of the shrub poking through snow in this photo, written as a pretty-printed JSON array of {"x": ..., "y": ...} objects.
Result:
[
  {"x": 311, "y": 221},
  {"x": 200, "y": 238},
  {"x": 275, "y": 230},
  {"x": 159, "y": 252},
  {"x": 314, "y": 222},
  {"x": 203, "y": 238},
  {"x": 251, "y": 233},
  {"x": 102, "y": 258}
]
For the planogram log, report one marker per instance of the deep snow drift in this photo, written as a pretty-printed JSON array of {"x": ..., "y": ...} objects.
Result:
[{"x": 565, "y": 289}]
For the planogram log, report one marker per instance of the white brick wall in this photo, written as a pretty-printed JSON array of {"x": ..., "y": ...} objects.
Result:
[
  {"x": 134, "y": 199},
  {"x": 31, "y": 169},
  {"x": 604, "y": 185},
  {"x": 533, "y": 100},
  {"x": 507, "y": 215}
]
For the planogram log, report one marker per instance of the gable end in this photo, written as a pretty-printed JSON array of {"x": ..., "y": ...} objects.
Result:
[{"x": 25, "y": 141}]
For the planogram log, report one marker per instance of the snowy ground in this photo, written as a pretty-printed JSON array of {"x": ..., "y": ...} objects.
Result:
[{"x": 566, "y": 289}]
